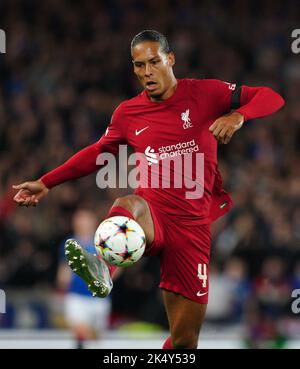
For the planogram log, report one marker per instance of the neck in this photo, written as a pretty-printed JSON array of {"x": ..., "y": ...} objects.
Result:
[{"x": 168, "y": 93}]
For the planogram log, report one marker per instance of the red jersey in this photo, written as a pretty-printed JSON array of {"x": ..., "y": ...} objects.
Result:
[{"x": 174, "y": 127}]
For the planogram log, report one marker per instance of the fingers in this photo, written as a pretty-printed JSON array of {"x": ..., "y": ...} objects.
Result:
[
  {"x": 216, "y": 128},
  {"x": 20, "y": 186},
  {"x": 33, "y": 201},
  {"x": 214, "y": 125},
  {"x": 24, "y": 198},
  {"x": 28, "y": 203},
  {"x": 223, "y": 128},
  {"x": 227, "y": 139},
  {"x": 20, "y": 196},
  {"x": 225, "y": 135},
  {"x": 220, "y": 131}
]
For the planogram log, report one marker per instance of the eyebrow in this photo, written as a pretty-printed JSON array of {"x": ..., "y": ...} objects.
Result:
[{"x": 139, "y": 61}]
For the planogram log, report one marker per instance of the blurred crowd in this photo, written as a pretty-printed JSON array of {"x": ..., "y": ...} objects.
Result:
[{"x": 67, "y": 66}]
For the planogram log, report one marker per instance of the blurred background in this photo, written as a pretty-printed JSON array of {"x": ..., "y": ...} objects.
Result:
[{"x": 67, "y": 66}]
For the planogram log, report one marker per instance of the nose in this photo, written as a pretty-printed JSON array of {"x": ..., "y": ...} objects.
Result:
[{"x": 148, "y": 70}]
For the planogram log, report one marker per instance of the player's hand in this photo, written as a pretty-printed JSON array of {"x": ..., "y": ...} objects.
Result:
[
  {"x": 30, "y": 193},
  {"x": 223, "y": 128}
]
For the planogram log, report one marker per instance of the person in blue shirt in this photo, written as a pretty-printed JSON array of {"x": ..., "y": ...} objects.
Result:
[{"x": 86, "y": 316}]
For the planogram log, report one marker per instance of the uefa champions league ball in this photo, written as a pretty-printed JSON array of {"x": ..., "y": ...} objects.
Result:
[{"x": 120, "y": 241}]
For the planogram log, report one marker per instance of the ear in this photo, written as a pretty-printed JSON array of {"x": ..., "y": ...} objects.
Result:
[{"x": 171, "y": 58}]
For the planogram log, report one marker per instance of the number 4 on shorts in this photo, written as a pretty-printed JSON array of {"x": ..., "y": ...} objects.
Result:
[{"x": 202, "y": 275}]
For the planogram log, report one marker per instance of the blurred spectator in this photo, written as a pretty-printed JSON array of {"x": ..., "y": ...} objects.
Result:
[
  {"x": 295, "y": 276},
  {"x": 219, "y": 302},
  {"x": 272, "y": 287},
  {"x": 236, "y": 273},
  {"x": 229, "y": 292},
  {"x": 86, "y": 316},
  {"x": 270, "y": 301}
]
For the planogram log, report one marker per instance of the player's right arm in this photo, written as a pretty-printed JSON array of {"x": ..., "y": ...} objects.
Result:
[{"x": 79, "y": 165}]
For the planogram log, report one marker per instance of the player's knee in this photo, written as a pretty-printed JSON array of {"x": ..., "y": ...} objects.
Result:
[
  {"x": 185, "y": 340},
  {"x": 131, "y": 203},
  {"x": 124, "y": 202}
]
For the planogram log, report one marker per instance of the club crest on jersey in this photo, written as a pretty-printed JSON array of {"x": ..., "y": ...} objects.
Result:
[{"x": 185, "y": 116}]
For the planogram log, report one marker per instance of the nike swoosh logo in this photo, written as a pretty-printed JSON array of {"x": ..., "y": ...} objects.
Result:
[
  {"x": 201, "y": 294},
  {"x": 223, "y": 205},
  {"x": 140, "y": 131}
]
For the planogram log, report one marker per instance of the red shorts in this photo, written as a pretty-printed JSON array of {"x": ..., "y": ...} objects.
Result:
[{"x": 184, "y": 249}]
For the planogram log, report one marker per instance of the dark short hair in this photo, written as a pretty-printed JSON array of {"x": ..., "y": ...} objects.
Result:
[{"x": 151, "y": 35}]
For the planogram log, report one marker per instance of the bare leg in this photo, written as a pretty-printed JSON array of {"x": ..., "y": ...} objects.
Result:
[
  {"x": 141, "y": 212},
  {"x": 185, "y": 319}
]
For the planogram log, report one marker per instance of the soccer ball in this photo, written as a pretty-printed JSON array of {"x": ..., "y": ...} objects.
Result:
[{"x": 120, "y": 241}]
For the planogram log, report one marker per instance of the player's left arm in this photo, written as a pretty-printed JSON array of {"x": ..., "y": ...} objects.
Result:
[{"x": 255, "y": 102}]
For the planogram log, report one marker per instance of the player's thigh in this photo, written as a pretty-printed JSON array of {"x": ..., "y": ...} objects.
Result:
[
  {"x": 185, "y": 319},
  {"x": 141, "y": 212}
]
